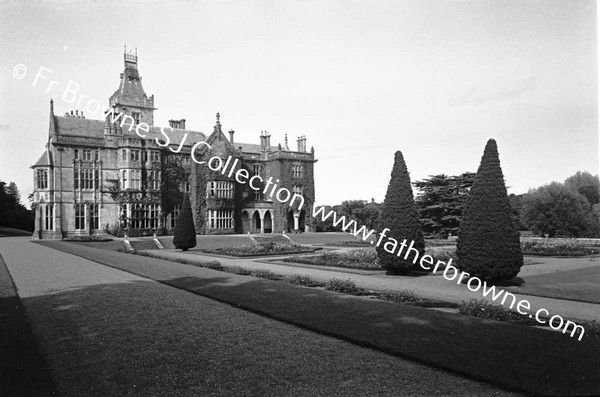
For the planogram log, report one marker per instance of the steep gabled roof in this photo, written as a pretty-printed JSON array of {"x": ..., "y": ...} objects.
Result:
[
  {"x": 43, "y": 161},
  {"x": 95, "y": 128}
]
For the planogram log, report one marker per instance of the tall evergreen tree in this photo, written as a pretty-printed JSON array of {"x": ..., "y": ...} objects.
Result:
[
  {"x": 488, "y": 245},
  {"x": 399, "y": 214},
  {"x": 185, "y": 233}
]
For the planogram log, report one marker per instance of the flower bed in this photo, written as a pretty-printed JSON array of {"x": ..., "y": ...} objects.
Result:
[
  {"x": 553, "y": 248},
  {"x": 263, "y": 249},
  {"x": 362, "y": 259},
  {"x": 351, "y": 243}
]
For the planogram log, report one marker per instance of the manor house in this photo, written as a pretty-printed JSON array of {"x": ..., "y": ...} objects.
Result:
[{"x": 99, "y": 176}]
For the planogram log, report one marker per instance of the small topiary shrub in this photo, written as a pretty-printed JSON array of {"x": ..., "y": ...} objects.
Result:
[
  {"x": 185, "y": 233},
  {"x": 301, "y": 279},
  {"x": 484, "y": 309},
  {"x": 238, "y": 270},
  {"x": 408, "y": 297},
  {"x": 343, "y": 286},
  {"x": 264, "y": 273}
]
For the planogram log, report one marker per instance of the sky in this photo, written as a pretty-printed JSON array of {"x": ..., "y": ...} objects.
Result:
[{"x": 360, "y": 79}]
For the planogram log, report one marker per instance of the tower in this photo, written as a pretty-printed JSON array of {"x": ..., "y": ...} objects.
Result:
[{"x": 130, "y": 97}]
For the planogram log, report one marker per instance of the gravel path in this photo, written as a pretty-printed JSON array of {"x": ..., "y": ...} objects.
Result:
[{"x": 108, "y": 332}]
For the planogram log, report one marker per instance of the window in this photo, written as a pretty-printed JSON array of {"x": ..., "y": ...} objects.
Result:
[
  {"x": 154, "y": 156},
  {"x": 256, "y": 169},
  {"x": 135, "y": 155},
  {"x": 87, "y": 155},
  {"x": 96, "y": 179},
  {"x": 297, "y": 189},
  {"x": 220, "y": 219},
  {"x": 94, "y": 216},
  {"x": 42, "y": 179},
  {"x": 124, "y": 179},
  {"x": 186, "y": 186},
  {"x": 136, "y": 117},
  {"x": 145, "y": 153},
  {"x": 297, "y": 170},
  {"x": 79, "y": 216},
  {"x": 124, "y": 154},
  {"x": 49, "y": 224},
  {"x": 145, "y": 216},
  {"x": 219, "y": 189},
  {"x": 84, "y": 178},
  {"x": 136, "y": 179},
  {"x": 76, "y": 154},
  {"x": 186, "y": 161},
  {"x": 153, "y": 180},
  {"x": 174, "y": 216},
  {"x": 257, "y": 195}
]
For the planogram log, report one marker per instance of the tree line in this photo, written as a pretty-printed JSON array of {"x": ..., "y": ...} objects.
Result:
[
  {"x": 12, "y": 212},
  {"x": 568, "y": 209}
]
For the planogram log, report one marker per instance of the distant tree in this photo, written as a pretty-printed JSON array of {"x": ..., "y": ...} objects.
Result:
[
  {"x": 363, "y": 212},
  {"x": 441, "y": 200},
  {"x": 399, "y": 214},
  {"x": 557, "y": 210},
  {"x": 185, "y": 233},
  {"x": 585, "y": 184},
  {"x": 516, "y": 206},
  {"x": 12, "y": 212},
  {"x": 488, "y": 245}
]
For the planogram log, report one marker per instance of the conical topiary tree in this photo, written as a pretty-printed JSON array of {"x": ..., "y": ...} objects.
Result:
[
  {"x": 488, "y": 245},
  {"x": 399, "y": 214},
  {"x": 185, "y": 233}
]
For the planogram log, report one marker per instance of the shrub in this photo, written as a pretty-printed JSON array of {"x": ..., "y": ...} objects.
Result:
[
  {"x": 484, "y": 309},
  {"x": 301, "y": 279},
  {"x": 488, "y": 243},
  {"x": 238, "y": 270},
  {"x": 399, "y": 214},
  {"x": 185, "y": 233},
  {"x": 344, "y": 286},
  {"x": 592, "y": 328},
  {"x": 264, "y": 273},
  {"x": 410, "y": 298}
]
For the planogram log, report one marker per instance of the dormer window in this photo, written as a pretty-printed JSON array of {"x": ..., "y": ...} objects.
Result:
[{"x": 42, "y": 178}]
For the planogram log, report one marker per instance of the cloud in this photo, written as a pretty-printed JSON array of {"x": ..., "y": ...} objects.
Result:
[
  {"x": 4, "y": 127},
  {"x": 476, "y": 97}
]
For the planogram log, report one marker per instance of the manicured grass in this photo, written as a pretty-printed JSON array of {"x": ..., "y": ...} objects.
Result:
[
  {"x": 522, "y": 358},
  {"x": 579, "y": 284},
  {"x": 23, "y": 371}
]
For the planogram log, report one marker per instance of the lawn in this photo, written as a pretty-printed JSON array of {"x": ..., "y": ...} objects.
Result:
[{"x": 580, "y": 284}]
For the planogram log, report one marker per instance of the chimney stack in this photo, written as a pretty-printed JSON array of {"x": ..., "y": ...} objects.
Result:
[{"x": 231, "y": 132}]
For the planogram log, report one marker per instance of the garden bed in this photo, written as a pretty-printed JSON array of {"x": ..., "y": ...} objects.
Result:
[
  {"x": 360, "y": 259},
  {"x": 562, "y": 248},
  {"x": 266, "y": 249}
]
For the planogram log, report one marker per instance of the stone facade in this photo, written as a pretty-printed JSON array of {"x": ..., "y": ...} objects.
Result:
[{"x": 97, "y": 175}]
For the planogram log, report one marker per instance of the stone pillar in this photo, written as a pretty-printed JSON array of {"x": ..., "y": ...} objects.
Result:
[
  {"x": 262, "y": 222},
  {"x": 296, "y": 221}
]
